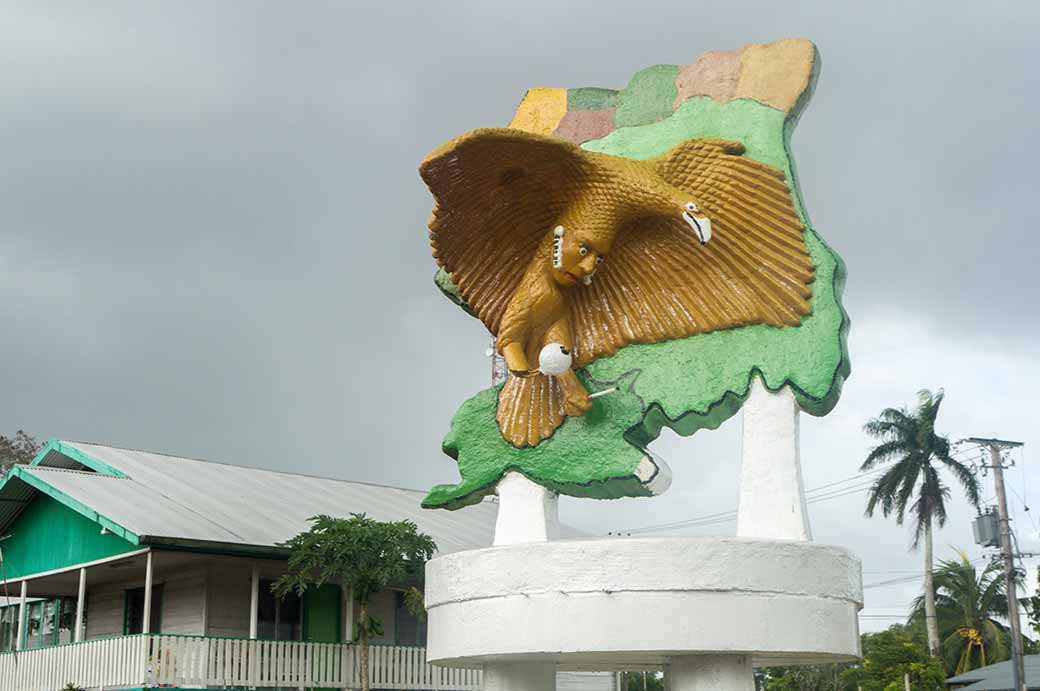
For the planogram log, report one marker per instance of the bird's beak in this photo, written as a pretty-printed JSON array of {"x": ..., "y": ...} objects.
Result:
[{"x": 700, "y": 225}]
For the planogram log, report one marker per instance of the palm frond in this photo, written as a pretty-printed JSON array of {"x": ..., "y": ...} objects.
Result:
[
  {"x": 885, "y": 452},
  {"x": 883, "y": 492},
  {"x": 965, "y": 475},
  {"x": 891, "y": 423}
]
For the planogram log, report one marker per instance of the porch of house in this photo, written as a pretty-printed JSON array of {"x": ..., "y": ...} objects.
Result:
[
  {"x": 143, "y": 661},
  {"x": 171, "y": 619}
]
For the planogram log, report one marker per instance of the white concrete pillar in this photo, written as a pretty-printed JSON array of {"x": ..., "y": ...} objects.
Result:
[
  {"x": 146, "y": 623},
  {"x": 20, "y": 641},
  {"x": 772, "y": 496},
  {"x": 80, "y": 599},
  {"x": 527, "y": 512},
  {"x": 254, "y": 602},
  {"x": 710, "y": 673},
  {"x": 520, "y": 676}
]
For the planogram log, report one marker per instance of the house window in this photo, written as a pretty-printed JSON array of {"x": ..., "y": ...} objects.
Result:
[
  {"x": 408, "y": 628},
  {"x": 39, "y": 631},
  {"x": 67, "y": 620},
  {"x": 47, "y": 623},
  {"x": 135, "y": 610},
  {"x": 278, "y": 619},
  {"x": 8, "y": 623}
]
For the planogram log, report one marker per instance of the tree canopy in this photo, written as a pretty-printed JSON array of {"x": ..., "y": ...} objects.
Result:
[
  {"x": 887, "y": 656},
  {"x": 17, "y": 450},
  {"x": 967, "y": 602},
  {"x": 363, "y": 555},
  {"x": 909, "y": 441}
]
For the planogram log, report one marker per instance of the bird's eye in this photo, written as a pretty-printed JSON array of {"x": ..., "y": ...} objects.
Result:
[
  {"x": 583, "y": 250},
  {"x": 599, "y": 260},
  {"x": 690, "y": 206}
]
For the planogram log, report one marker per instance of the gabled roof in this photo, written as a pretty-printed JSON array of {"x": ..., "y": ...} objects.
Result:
[{"x": 157, "y": 499}]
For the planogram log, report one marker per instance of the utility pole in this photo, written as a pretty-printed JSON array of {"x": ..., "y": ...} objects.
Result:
[{"x": 1007, "y": 551}]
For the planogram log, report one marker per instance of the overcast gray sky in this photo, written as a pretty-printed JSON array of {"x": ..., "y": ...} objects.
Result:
[{"x": 212, "y": 232}]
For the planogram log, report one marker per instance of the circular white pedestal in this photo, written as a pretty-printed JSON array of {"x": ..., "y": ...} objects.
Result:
[{"x": 609, "y": 604}]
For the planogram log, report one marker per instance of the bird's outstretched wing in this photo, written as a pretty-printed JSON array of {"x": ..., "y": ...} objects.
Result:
[
  {"x": 498, "y": 192},
  {"x": 659, "y": 283}
]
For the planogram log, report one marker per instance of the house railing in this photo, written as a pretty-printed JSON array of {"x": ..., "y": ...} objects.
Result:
[{"x": 207, "y": 662}]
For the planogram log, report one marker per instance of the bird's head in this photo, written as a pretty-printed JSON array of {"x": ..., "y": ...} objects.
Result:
[
  {"x": 662, "y": 199},
  {"x": 647, "y": 195},
  {"x": 698, "y": 222}
]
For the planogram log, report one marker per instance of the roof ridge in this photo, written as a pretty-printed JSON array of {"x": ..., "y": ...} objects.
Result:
[
  {"x": 53, "y": 469},
  {"x": 247, "y": 467}
]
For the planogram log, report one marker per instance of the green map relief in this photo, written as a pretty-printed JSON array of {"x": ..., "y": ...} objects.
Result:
[{"x": 686, "y": 384}]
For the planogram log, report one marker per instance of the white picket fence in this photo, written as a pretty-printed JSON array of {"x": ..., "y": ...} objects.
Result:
[
  {"x": 104, "y": 663},
  {"x": 199, "y": 661}
]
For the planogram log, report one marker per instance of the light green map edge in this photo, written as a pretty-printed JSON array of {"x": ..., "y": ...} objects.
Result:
[{"x": 596, "y": 456}]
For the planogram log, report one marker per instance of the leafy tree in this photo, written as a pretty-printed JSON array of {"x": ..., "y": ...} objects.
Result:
[
  {"x": 17, "y": 450},
  {"x": 916, "y": 452},
  {"x": 365, "y": 555},
  {"x": 888, "y": 656},
  {"x": 805, "y": 678},
  {"x": 642, "y": 681},
  {"x": 966, "y": 603}
]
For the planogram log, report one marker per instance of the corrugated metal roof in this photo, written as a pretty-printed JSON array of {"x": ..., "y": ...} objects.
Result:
[
  {"x": 998, "y": 676},
  {"x": 184, "y": 499},
  {"x": 16, "y": 497}
]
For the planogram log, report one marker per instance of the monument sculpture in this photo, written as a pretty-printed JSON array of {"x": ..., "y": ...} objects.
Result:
[{"x": 642, "y": 259}]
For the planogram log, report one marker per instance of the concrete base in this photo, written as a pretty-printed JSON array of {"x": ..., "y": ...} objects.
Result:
[
  {"x": 520, "y": 676},
  {"x": 711, "y": 673},
  {"x": 641, "y": 602}
]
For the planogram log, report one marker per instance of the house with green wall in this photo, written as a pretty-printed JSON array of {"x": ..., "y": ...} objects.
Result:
[{"x": 162, "y": 561}]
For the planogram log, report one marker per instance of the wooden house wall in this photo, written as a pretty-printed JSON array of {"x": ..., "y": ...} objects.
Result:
[
  {"x": 184, "y": 595},
  {"x": 206, "y": 598}
]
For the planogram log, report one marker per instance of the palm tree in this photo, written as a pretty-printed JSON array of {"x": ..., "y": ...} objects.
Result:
[
  {"x": 966, "y": 603},
  {"x": 909, "y": 442}
]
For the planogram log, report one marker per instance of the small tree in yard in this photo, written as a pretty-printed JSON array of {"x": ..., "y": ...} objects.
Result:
[{"x": 362, "y": 554}]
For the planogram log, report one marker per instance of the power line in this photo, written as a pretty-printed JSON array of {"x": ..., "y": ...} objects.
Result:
[
  {"x": 731, "y": 515},
  {"x": 722, "y": 517},
  {"x": 908, "y": 579}
]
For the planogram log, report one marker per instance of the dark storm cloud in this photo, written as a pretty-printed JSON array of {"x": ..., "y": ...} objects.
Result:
[{"x": 212, "y": 237}]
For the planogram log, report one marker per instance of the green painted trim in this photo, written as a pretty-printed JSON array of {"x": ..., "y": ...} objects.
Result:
[
  {"x": 39, "y": 485},
  {"x": 75, "y": 454},
  {"x": 49, "y": 538},
  {"x": 69, "y": 645},
  {"x": 217, "y": 548}
]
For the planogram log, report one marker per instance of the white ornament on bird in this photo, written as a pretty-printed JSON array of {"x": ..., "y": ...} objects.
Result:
[{"x": 554, "y": 359}]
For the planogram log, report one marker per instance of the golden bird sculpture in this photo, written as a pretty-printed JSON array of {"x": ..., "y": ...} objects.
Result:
[{"x": 552, "y": 244}]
